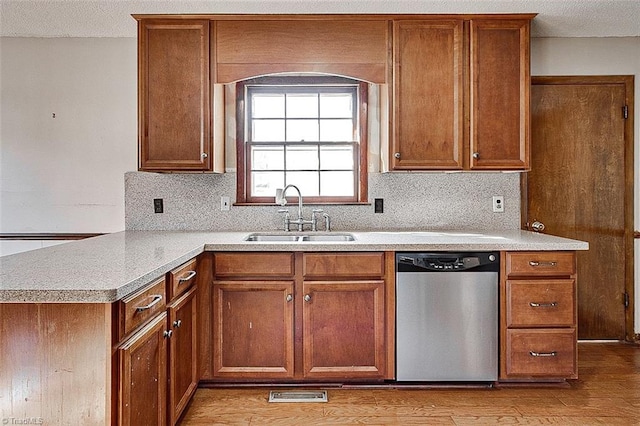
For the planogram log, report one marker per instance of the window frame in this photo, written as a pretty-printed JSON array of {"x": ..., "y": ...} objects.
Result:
[{"x": 360, "y": 151}]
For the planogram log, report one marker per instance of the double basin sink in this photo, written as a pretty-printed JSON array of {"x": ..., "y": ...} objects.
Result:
[{"x": 300, "y": 238}]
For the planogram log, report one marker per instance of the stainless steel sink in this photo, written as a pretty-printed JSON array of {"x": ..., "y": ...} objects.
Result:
[
  {"x": 325, "y": 238},
  {"x": 272, "y": 238},
  {"x": 330, "y": 238}
]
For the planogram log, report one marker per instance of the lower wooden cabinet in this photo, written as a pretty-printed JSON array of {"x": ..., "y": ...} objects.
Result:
[
  {"x": 343, "y": 329},
  {"x": 253, "y": 329},
  {"x": 142, "y": 388},
  {"x": 183, "y": 353},
  {"x": 541, "y": 353},
  {"x": 538, "y": 316},
  {"x": 156, "y": 353},
  {"x": 323, "y": 318}
]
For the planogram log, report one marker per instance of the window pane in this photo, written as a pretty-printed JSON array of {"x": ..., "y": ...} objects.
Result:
[
  {"x": 336, "y": 130},
  {"x": 267, "y": 105},
  {"x": 307, "y": 182},
  {"x": 336, "y": 157},
  {"x": 267, "y": 157},
  {"x": 268, "y": 131},
  {"x": 264, "y": 184},
  {"x": 336, "y": 105},
  {"x": 336, "y": 184},
  {"x": 302, "y": 158},
  {"x": 302, "y": 105},
  {"x": 302, "y": 130}
]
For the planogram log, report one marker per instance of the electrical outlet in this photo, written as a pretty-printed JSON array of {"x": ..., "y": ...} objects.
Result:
[
  {"x": 498, "y": 204},
  {"x": 158, "y": 205},
  {"x": 378, "y": 205},
  {"x": 224, "y": 204}
]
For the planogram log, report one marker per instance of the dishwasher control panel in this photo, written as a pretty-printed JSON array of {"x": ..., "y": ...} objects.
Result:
[{"x": 447, "y": 261}]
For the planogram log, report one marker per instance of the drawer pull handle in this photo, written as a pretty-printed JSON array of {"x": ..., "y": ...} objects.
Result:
[
  {"x": 167, "y": 334},
  {"x": 543, "y": 305},
  {"x": 156, "y": 299},
  {"x": 186, "y": 278},
  {"x": 177, "y": 323},
  {"x": 543, "y": 354},
  {"x": 535, "y": 263}
]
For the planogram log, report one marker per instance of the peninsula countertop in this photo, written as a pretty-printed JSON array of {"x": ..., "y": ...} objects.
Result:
[{"x": 107, "y": 268}]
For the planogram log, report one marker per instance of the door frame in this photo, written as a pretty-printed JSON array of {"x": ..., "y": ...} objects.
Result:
[{"x": 629, "y": 234}]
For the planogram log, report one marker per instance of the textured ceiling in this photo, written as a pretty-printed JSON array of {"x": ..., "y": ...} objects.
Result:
[{"x": 112, "y": 18}]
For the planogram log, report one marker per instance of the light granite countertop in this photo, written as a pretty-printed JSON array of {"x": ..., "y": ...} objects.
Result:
[{"x": 107, "y": 268}]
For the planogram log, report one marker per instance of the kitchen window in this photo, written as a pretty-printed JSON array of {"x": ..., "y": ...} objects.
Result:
[{"x": 305, "y": 131}]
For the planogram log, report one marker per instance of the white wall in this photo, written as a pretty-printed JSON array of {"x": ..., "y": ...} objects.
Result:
[
  {"x": 598, "y": 56},
  {"x": 65, "y": 174}
]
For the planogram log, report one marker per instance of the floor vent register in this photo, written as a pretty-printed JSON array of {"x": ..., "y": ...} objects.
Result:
[{"x": 298, "y": 396}]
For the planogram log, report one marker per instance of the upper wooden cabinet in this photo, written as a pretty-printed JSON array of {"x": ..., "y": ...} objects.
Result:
[
  {"x": 460, "y": 94},
  {"x": 174, "y": 95},
  {"x": 499, "y": 95},
  {"x": 428, "y": 94}
]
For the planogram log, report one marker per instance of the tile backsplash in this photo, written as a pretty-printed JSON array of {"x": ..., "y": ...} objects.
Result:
[{"x": 411, "y": 201}]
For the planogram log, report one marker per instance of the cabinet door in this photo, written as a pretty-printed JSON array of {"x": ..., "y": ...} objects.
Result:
[
  {"x": 499, "y": 94},
  {"x": 428, "y": 95},
  {"x": 174, "y": 95},
  {"x": 343, "y": 329},
  {"x": 253, "y": 329},
  {"x": 183, "y": 353},
  {"x": 142, "y": 382}
]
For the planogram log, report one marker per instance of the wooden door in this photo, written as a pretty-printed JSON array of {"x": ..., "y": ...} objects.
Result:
[
  {"x": 183, "y": 353},
  {"x": 428, "y": 95},
  {"x": 142, "y": 389},
  {"x": 174, "y": 95},
  {"x": 253, "y": 329},
  {"x": 499, "y": 94},
  {"x": 581, "y": 186},
  {"x": 343, "y": 329}
]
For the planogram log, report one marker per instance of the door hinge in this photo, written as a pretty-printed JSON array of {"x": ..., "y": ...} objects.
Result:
[
  {"x": 625, "y": 111},
  {"x": 626, "y": 300}
]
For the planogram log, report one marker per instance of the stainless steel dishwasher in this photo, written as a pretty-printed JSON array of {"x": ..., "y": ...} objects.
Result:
[{"x": 447, "y": 316}]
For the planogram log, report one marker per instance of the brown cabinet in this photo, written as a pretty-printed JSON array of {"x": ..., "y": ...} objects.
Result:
[
  {"x": 428, "y": 93},
  {"x": 538, "y": 316},
  {"x": 461, "y": 94},
  {"x": 142, "y": 363},
  {"x": 302, "y": 316},
  {"x": 156, "y": 350},
  {"x": 174, "y": 95},
  {"x": 253, "y": 329},
  {"x": 183, "y": 353},
  {"x": 343, "y": 329},
  {"x": 499, "y": 95}
]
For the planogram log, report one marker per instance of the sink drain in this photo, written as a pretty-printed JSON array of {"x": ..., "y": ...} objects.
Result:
[{"x": 298, "y": 396}]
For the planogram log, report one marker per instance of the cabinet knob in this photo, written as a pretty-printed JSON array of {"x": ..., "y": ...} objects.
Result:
[
  {"x": 397, "y": 155},
  {"x": 476, "y": 155},
  {"x": 289, "y": 298},
  {"x": 167, "y": 334},
  {"x": 307, "y": 298},
  {"x": 204, "y": 155},
  {"x": 177, "y": 323}
]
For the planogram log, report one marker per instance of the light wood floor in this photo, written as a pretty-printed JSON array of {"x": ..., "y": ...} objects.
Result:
[{"x": 607, "y": 393}]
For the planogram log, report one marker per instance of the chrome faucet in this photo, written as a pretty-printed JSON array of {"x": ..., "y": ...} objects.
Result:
[{"x": 282, "y": 200}]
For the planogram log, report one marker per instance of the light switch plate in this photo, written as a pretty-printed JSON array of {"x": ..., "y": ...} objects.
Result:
[{"x": 224, "y": 204}]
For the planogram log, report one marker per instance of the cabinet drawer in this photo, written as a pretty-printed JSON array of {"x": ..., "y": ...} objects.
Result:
[
  {"x": 181, "y": 279},
  {"x": 540, "y": 303},
  {"x": 540, "y": 263},
  {"x": 140, "y": 307},
  {"x": 254, "y": 264},
  {"x": 544, "y": 352},
  {"x": 343, "y": 265}
]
